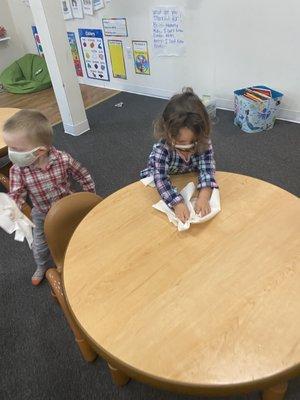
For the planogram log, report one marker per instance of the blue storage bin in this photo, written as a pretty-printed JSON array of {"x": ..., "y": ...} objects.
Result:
[{"x": 252, "y": 116}]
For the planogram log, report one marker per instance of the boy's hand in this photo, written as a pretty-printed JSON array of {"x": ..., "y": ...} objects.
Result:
[
  {"x": 202, "y": 204},
  {"x": 182, "y": 212}
]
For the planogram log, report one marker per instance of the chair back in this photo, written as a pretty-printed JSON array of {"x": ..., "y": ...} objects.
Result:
[{"x": 62, "y": 220}]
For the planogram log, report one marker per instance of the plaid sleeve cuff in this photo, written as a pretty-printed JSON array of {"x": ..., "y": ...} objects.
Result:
[
  {"x": 89, "y": 187},
  {"x": 178, "y": 199},
  {"x": 207, "y": 182}
]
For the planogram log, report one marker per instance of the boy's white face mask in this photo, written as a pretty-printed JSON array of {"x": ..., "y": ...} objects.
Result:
[{"x": 23, "y": 158}]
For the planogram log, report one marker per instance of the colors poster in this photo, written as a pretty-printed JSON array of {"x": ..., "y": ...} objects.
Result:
[{"x": 94, "y": 54}]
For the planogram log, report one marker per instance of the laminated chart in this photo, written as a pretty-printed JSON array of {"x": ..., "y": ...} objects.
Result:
[
  {"x": 75, "y": 53},
  {"x": 93, "y": 51},
  {"x": 117, "y": 59},
  {"x": 141, "y": 57}
]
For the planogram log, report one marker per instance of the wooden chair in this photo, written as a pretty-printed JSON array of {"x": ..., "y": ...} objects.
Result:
[
  {"x": 5, "y": 165},
  {"x": 60, "y": 224}
]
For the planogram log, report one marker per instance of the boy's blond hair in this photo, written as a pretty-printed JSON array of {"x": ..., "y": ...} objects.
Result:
[{"x": 33, "y": 124}]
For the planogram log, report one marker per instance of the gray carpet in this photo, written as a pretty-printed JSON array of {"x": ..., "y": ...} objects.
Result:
[{"x": 39, "y": 359}]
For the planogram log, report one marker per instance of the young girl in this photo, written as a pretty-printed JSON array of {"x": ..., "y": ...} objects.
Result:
[{"x": 184, "y": 145}]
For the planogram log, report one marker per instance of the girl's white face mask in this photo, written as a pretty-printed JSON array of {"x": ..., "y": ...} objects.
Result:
[
  {"x": 185, "y": 147},
  {"x": 23, "y": 158}
]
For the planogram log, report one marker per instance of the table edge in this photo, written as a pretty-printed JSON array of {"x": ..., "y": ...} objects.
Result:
[{"x": 180, "y": 386}]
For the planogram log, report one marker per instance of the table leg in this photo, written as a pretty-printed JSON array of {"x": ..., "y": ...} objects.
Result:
[
  {"x": 118, "y": 377},
  {"x": 276, "y": 392}
]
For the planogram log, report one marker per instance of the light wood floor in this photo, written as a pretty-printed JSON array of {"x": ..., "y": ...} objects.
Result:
[{"x": 45, "y": 100}]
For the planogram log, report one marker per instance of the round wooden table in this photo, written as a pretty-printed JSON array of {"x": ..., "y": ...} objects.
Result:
[
  {"x": 214, "y": 310},
  {"x": 5, "y": 113}
]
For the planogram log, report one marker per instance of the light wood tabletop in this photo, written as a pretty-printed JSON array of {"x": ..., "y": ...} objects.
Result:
[
  {"x": 5, "y": 113},
  {"x": 212, "y": 310}
]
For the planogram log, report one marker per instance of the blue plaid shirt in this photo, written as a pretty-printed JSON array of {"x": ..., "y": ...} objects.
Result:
[{"x": 164, "y": 160}]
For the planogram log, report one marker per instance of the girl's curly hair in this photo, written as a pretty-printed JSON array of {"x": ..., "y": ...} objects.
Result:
[{"x": 184, "y": 110}]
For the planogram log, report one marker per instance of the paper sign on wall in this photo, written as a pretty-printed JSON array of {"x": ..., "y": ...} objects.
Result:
[
  {"x": 66, "y": 9},
  {"x": 88, "y": 7},
  {"x": 77, "y": 9},
  {"x": 167, "y": 31},
  {"x": 115, "y": 27},
  {"x": 37, "y": 41},
  {"x": 141, "y": 57},
  {"x": 117, "y": 58},
  {"x": 93, "y": 50},
  {"x": 98, "y": 4},
  {"x": 75, "y": 53}
]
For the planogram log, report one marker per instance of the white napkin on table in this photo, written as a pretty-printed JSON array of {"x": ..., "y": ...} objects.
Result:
[
  {"x": 13, "y": 220},
  {"x": 187, "y": 193}
]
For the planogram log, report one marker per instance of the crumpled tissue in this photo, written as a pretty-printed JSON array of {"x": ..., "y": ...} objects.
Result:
[
  {"x": 187, "y": 193},
  {"x": 13, "y": 220}
]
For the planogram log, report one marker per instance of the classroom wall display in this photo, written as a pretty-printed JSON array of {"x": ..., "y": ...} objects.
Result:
[
  {"x": 37, "y": 41},
  {"x": 117, "y": 58},
  {"x": 88, "y": 7},
  {"x": 77, "y": 9},
  {"x": 167, "y": 31},
  {"x": 141, "y": 57},
  {"x": 115, "y": 27},
  {"x": 98, "y": 4},
  {"x": 66, "y": 9},
  {"x": 93, "y": 51},
  {"x": 75, "y": 53}
]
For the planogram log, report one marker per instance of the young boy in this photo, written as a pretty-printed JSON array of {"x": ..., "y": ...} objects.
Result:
[{"x": 42, "y": 172}]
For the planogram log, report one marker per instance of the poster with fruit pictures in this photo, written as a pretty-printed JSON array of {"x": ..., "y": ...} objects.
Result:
[{"x": 94, "y": 54}]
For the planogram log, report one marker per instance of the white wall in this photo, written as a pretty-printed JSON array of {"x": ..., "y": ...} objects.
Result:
[
  {"x": 230, "y": 44},
  {"x": 12, "y": 49},
  {"x": 23, "y": 20}
]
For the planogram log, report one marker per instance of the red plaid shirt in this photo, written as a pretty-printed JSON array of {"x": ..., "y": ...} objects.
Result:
[{"x": 45, "y": 186}]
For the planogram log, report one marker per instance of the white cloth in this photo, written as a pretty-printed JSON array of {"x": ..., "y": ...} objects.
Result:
[
  {"x": 187, "y": 193},
  {"x": 13, "y": 220},
  {"x": 148, "y": 181}
]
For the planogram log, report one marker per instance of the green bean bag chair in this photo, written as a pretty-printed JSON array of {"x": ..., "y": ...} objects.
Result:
[{"x": 27, "y": 75}]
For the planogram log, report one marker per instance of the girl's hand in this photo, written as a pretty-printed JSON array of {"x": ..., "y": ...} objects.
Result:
[
  {"x": 182, "y": 212},
  {"x": 202, "y": 204}
]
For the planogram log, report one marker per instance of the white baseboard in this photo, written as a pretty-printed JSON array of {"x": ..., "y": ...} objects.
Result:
[
  {"x": 130, "y": 88},
  {"x": 79, "y": 129},
  {"x": 223, "y": 104}
]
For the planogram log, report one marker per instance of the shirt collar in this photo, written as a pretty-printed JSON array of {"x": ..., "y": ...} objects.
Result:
[{"x": 52, "y": 157}]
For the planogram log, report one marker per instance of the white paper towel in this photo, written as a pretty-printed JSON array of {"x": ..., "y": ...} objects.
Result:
[
  {"x": 13, "y": 220},
  {"x": 187, "y": 194}
]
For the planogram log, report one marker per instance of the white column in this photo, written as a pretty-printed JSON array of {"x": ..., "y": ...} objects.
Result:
[{"x": 50, "y": 24}]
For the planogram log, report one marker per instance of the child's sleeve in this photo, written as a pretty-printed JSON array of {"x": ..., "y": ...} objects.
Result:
[
  {"x": 161, "y": 177},
  {"x": 207, "y": 169},
  {"x": 17, "y": 186},
  {"x": 81, "y": 175}
]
